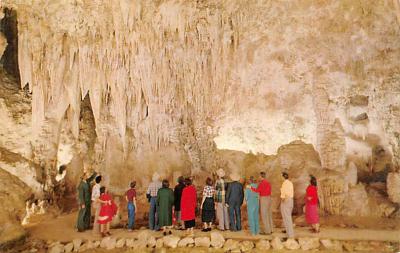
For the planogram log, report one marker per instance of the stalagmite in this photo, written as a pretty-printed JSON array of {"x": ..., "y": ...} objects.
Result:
[{"x": 393, "y": 187}]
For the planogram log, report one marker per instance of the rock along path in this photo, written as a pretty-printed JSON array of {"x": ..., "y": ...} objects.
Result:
[{"x": 62, "y": 229}]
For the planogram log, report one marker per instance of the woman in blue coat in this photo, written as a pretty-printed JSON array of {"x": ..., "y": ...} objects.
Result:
[{"x": 252, "y": 200}]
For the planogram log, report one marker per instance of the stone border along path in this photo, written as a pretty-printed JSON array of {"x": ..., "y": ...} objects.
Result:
[{"x": 148, "y": 239}]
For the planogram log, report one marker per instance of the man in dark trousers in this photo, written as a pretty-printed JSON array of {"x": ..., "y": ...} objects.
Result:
[
  {"x": 234, "y": 200},
  {"x": 84, "y": 200}
]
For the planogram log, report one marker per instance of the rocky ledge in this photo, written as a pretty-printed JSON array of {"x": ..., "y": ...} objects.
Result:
[{"x": 145, "y": 240}]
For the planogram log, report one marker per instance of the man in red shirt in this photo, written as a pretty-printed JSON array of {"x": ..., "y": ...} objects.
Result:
[{"x": 264, "y": 189}]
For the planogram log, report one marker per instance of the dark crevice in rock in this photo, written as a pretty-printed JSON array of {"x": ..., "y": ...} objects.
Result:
[
  {"x": 9, "y": 27},
  {"x": 359, "y": 100},
  {"x": 87, "y": 127},
  {"x": 368, "y": 177},
  {"x": 361, "y": 117}
]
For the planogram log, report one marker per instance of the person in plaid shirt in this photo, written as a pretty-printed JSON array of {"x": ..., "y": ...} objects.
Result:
[
  {"x": 221, "y": 208},
  {"x": 151, "y": 193}
]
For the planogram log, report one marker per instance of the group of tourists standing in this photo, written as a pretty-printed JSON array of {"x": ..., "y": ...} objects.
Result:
[
  {"x": 162, "y": 200},
  {"x": 98, "y": 199},
  {"x": 221, "y": 200}
]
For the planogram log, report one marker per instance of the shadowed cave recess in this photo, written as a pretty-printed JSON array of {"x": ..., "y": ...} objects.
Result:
[{"x": 129, "y": 88}]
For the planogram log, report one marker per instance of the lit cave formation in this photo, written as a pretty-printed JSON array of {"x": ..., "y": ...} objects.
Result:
[{"x": 184, "y": 87}]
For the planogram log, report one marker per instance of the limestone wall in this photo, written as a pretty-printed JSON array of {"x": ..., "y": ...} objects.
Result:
[{"x": 168, "y": 83}]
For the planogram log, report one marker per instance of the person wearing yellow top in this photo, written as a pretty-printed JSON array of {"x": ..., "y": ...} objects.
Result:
[{"x": 287, "y": 204}]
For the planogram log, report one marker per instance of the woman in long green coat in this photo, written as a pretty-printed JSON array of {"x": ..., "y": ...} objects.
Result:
[
  {"x": 165, "y": 201},
  {"x": 84, "y": 199}
]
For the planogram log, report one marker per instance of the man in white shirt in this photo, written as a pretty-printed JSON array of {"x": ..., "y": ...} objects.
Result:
[
  {"x": 287, "y": 204},
  {"x": 96, "y": 204}
]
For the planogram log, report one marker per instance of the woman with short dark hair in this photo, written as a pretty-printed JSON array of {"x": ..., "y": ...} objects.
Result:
[
  {"x": 177, "y": 199},
  {"x": 188, "y": 205},
  {"x": 165, "y": 200},
  {"x": 208, "y": 205},
  {"x": 188, "y": 181},
  {"x": 311, "y": 198}
]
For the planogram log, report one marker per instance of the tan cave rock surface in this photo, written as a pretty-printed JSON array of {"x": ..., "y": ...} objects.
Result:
[
  {"x": 185, "y": 87},
  {"x": 13, "y": 195},
  {"x": 184, "y": 74}
]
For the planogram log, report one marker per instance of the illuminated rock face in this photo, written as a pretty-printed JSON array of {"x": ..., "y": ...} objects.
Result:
[
  {"x": 133, "y": 87},
  {"x": 13, "y": 195},
  {"x": 3, "y": 44}
]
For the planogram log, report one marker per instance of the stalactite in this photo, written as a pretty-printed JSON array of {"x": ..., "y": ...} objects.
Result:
[{"x": 123, "y": 63}]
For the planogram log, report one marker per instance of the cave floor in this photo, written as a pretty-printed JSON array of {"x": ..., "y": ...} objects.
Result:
[{"x": 62, "y": 229}]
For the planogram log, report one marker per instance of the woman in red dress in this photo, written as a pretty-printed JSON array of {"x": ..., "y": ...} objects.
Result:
[
  {"x": 107, "y": 211},
  {"x": 311, "y": 198},
  {"x": 188, "y": 205}
]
